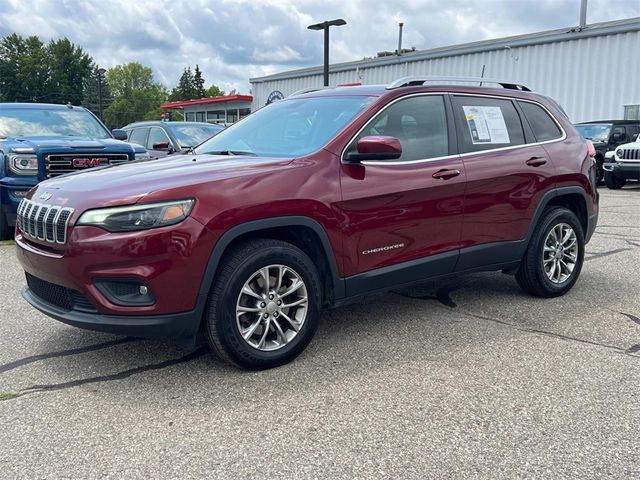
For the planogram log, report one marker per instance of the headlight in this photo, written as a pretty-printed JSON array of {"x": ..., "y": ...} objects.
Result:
[
  {"x": 142, "y": 156},
  {"x": 22, "y": 164},
  {"x": 138, "y": 217},
  {"x": 619, "y": 153}
]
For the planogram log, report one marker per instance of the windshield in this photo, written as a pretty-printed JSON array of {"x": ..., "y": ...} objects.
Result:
[
  {"x": 36, "y": 122},
  {"x": 595, "y": 132},
  {"x": 289, "y": 128},
  {"x": 192, "y": 135}
]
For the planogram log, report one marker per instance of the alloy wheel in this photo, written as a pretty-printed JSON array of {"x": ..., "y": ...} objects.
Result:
[
  {"x": 272, "y": 307},
  {"x": 560, "y": 253}
]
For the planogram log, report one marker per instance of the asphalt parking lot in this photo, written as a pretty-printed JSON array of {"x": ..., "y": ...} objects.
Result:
[{"x": 464, "y": 379}]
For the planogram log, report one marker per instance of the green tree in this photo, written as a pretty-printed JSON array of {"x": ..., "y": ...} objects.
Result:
[
  {"x": 24, "y": 71},
  {"x": 136, "y": 96},
  {"x": 185, "y": 90},
  {"x": 91, "y": 97},
  {"x": 198, "y": 83},
  {"x": 214, "y": 91},
  {"x": 70, "y": 69}
]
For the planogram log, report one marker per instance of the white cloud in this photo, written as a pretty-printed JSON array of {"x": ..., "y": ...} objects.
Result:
[{"x": 234, "y": 40}]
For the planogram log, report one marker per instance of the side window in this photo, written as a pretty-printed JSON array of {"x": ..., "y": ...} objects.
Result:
[
  {"x": 486, "y": 123},
  {"x": 420, "y": 123},
  {"x": 543, "y": 126},
  {"x": 139, "y": 136},
  {"x": 157, "y": 135},
  {"x": 619, "y": 134}
]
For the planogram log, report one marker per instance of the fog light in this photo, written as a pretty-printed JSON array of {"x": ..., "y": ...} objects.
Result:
[{"x": 125, "y": 292}]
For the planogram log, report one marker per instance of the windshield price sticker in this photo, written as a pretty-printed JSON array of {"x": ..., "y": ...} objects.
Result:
[{"x": 486, "y": 125}]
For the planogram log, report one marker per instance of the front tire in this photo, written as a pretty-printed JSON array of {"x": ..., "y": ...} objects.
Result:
[
  {"x": 613, "y": 182},
  {"x": 5, "y": 230},
  {"x": 264, "y": 305},
  {"x": 554, "y": 257}
]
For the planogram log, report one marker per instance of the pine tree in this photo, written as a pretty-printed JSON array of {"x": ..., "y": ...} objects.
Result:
[{"x": 198, "y": 83}]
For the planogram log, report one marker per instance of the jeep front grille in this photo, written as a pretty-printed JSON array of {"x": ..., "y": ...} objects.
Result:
[
  {"x": 56, "y": 165},
  {"x": 44, "y": 222},
  {"x": 629, "y": 153}
]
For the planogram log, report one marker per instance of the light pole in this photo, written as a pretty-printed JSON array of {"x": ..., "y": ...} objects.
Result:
[
  {"x": 101, "y": 71},
  {"x": 325, "y": 26}
]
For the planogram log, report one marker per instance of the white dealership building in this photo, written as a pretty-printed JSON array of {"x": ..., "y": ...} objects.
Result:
[{"x": 593, "y": 71}]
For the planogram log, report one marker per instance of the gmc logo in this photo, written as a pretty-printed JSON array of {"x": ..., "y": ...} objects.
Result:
[{"x": 89, "y": 162}]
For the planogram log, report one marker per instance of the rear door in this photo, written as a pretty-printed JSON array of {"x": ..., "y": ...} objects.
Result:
[
  {"x": 507, "y": 173},
  {"x": 404, "y": 210}
]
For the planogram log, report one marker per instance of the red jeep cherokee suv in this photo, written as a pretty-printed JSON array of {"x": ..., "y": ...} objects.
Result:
[{"x": 310, "y": 202}]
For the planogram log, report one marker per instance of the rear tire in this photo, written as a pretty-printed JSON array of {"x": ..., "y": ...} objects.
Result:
[
  {"x": 613, "y": 182},
  {"x": 554, "y": 257},
  {"x": 255, "y": 324}
]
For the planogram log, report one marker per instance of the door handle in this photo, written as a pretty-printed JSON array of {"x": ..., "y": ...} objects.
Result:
[
  {"x": 446, "y": 174},
  {"x": 536, "y": 161}
]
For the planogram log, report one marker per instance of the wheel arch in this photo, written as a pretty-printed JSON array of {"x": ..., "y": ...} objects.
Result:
[
  {"x": 303, "y": 232},
  {"x": 573, "y": 198}
]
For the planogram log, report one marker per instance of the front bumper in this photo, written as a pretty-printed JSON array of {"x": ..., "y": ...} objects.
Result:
[
  {"x": 12, "y": 191},
  {"x": 178, "y": 325},
  {"x": 628, "y": 170},
  {"x": 169, "y": 261}
]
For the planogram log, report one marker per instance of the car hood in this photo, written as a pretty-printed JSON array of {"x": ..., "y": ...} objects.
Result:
[
  {"x": 128, "y": 183},
  {"x": 69, "y": 143}
]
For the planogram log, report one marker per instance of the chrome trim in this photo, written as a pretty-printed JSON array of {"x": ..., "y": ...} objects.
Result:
[
  {"x": 420, "y": 80},
  {"x": 27, "y": 218},
  {"x": 458, "y": 155}
]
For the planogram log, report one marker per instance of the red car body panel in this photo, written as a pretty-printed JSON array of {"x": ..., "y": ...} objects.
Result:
[{"x": 374, "y": 216}]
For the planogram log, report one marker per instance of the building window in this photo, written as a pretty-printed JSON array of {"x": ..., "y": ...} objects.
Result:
[
  {"x": 201, "y": 116},
  {"x": 244, "y": 112},
  {"x": 216, "y": 116},
  {"x": 190, "y": 117},
  {"x": 232, "y": 116},
  {"x": 632, "y": 112}
]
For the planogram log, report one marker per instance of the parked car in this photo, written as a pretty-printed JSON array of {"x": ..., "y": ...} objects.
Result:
[
  {"x": 40, "y": 141},
  {"x": 623, "y": 165},
  {"x": 165, "y": 138},
  {"x": 606, "y": 135},
  {"x": 311, "y": 202}
]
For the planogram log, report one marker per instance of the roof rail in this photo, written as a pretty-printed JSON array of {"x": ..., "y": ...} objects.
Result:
[
  {"x": 309, "y": 90},
  {"x": 412, "y": 81}
]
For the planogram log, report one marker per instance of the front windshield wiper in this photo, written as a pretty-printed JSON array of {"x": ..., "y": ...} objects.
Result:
[{"x": 230, "y": 152}]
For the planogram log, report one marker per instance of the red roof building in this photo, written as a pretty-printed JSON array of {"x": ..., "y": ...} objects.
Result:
[{"x": 226, "y": 109}]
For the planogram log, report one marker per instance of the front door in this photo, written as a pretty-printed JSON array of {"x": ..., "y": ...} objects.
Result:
[{"x": 408, "y": 210}]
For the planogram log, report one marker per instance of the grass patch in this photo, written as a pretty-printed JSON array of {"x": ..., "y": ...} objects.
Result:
[
  {"x": 6, "y": 242},
  {"x": 8, "y": 395}
]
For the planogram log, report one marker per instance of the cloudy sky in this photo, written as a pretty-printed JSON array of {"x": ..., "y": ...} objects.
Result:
[{"x": 234, "y": 40}]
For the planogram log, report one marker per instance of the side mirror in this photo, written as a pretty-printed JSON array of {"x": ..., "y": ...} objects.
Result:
[
  {"x": 636, "y": 137},
  {"x": 619, "y": 137},
  {"x": 376, "y": 147},
  {"x": 162, "y": 146},
  {"x": 119, "y": 134}
]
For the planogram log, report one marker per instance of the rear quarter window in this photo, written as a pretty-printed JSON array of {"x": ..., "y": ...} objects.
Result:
[
  {"x": 543, "y": 126},
  {"x": 485, "y": 123}
]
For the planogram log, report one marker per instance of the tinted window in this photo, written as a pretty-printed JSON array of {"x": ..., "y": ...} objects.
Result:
[
  {"x": 139, "y": 136},
  {"x": 487, "y": 123},
  {"x": 192, "y": 135},
  {"x": 288, "y": 128},
  {"x": 594, "y": 131},
  {"x": 50, "y": 122},
  {"x": 543, "y": 126},
  {"x": 157, "y": 135},
  {"x": 420, "y": 123}
]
